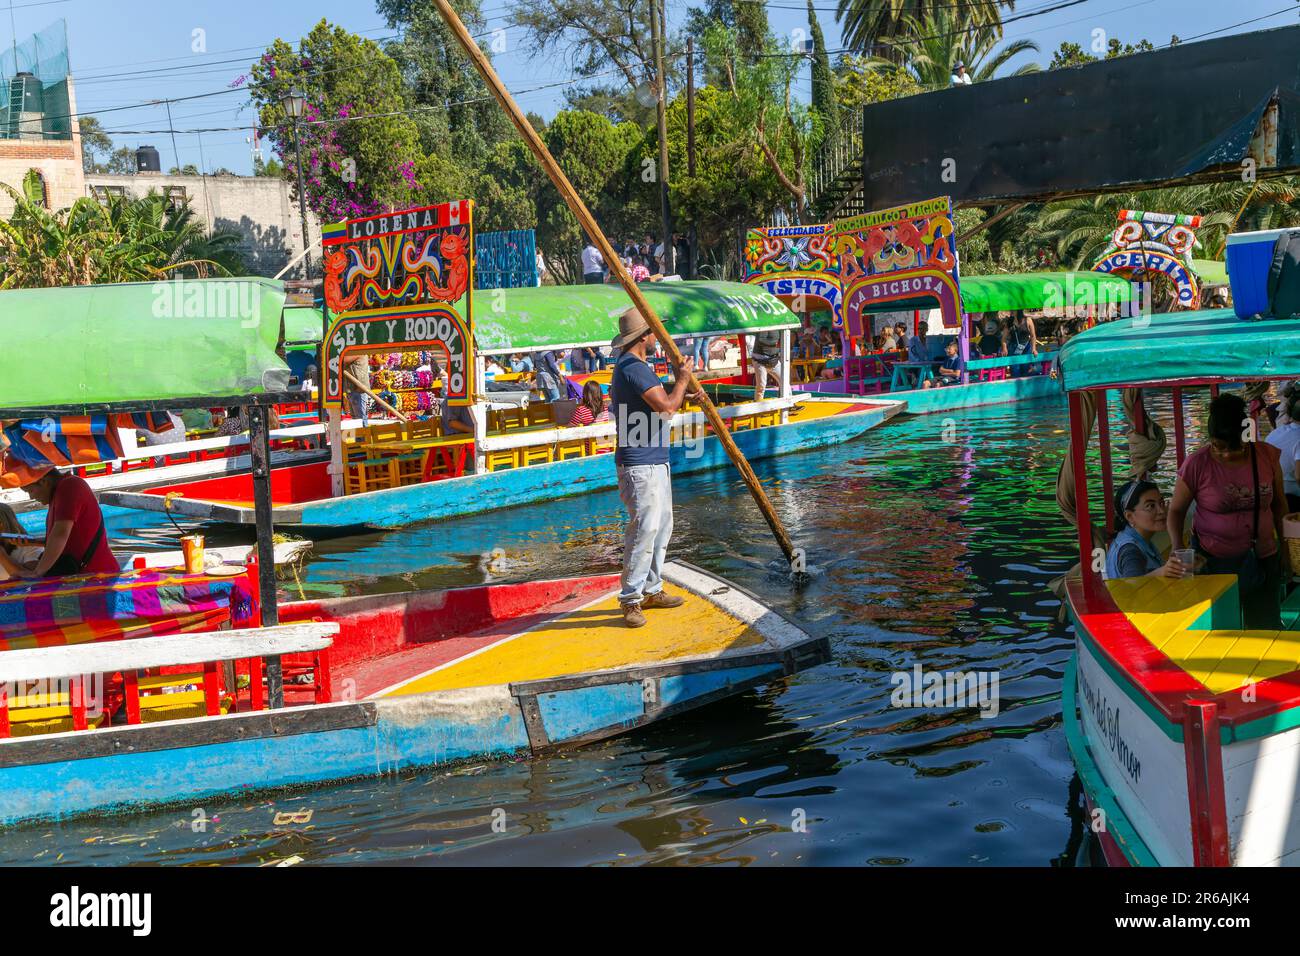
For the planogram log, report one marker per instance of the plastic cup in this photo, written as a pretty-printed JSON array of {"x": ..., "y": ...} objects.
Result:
[
  {"x": 1188, "y": 558},
  {"x": 192, "y": 548}
]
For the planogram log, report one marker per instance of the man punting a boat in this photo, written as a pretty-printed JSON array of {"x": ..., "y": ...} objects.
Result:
[
  {"x": 643, "y": 408},
  {"x": 76, "y": 538}
]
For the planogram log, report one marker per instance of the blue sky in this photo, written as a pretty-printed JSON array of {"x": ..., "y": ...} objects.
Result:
[{"x": 113, "y": 41}]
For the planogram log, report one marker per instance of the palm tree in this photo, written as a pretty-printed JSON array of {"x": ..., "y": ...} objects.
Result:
[
  {"x": 868, "y": 23},
  {"x": 935, "y": 45}
]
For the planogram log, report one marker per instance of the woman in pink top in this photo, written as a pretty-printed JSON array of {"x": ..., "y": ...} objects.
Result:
[{"x": 1237, "y": 486}]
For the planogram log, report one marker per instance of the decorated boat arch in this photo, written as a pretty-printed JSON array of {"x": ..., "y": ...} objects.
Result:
[
  {"x": 798, "y": 265},
  {"x": 397, "y": 282},
  {"x": 1146, "y": 244},
  {"x": 899, "y": 258}
]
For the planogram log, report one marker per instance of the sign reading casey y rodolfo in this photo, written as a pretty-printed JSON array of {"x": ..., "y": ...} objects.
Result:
[{"x": 393, "y": 283}]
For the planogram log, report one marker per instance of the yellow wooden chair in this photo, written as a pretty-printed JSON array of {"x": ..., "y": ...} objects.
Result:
[
  {"x": 536, "y": 455},
  {"x": 502, "y": 459},
  {"x": 572, "y": 448},
  {"x": 542, "y": 413}
]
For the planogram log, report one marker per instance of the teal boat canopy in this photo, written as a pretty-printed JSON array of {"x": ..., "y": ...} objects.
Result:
[
  {"x": 1042, "y": 290},
  {"x": 569, "y": 316},
  {"x": 1181, "y": 347},
  {"x": 92, "y": 348}
]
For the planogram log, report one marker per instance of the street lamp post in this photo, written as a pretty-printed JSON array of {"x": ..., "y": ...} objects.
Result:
[{"x": 293, "y": 104}]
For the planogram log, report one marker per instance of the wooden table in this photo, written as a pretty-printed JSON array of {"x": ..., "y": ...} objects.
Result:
[
  {"x": 903, "y": 376},
  {"x": 452, "y": 451},
  {"x": 809, "y": 367}
]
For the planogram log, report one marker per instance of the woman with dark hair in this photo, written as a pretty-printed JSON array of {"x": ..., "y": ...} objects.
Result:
[
  {"x": 1139, "y": 514},
  {"x": 1237, "y": 486},
  {"x": 592, "y": 407}
]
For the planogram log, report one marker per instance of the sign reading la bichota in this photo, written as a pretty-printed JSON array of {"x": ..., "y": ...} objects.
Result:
[{"x": 393, "y": 283}]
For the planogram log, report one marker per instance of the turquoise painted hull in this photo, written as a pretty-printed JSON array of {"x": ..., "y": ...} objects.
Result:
[
  {"x": 952, "y": 398},
  {"x": 119, "y": 769}
]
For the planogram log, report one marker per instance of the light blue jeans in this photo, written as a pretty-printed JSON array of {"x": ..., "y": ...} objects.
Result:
[{"x": 647, "y": 493}]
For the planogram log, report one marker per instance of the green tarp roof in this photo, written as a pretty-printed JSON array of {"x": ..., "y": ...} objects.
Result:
[
  {"x": 135, "y": 343},
  {"x": 1181, "y": 346},
  {"x": 302, "y": 323},
  {"x": 1211, "y": 271},
  {"x": 1038, "y": 290},
  {"x": 553, "y": 317}
]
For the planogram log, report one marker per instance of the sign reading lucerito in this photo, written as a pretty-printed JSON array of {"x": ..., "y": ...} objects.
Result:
[
  {"x": 392, "y": 281},
  {"x": 894, "y": 255}
]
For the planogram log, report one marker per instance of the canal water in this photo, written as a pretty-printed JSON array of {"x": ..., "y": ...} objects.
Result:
[{"x": 932, "y": 541}]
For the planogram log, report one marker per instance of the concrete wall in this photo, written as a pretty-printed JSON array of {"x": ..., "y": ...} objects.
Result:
[{"x": 260, "y": 208}]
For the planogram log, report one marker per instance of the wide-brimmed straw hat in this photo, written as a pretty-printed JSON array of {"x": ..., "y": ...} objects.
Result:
[{"x": 631, "y": 326}]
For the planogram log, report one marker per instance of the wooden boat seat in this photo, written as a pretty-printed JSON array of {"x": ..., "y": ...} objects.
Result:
[
  {"x": 144, "y": 699},
  {"x": 1196, "y": 623}
]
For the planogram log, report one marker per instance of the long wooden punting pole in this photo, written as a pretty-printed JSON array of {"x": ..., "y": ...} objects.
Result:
[{"x": 615, "y": 264}]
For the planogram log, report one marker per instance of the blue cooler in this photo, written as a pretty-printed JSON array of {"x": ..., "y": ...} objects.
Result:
[{"x": 1248, "y": 256}]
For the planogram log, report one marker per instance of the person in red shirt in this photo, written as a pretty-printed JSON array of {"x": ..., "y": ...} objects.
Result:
[{"x": 76, "y": 539}]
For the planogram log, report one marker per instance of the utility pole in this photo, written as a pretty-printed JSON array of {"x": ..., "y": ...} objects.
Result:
[
  {"x": 657, "y": 38},
  {"x": 693, "y": 262}
]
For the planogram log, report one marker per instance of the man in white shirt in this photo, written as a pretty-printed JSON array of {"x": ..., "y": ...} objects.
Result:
[
  {"x": 960, "y": 77},
  {"x": 541, "y": 267},
  {"x": 593, "y": 265}
]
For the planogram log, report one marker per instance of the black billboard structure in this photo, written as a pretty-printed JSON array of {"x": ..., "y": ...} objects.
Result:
[{"x": 1189, "y": 113}]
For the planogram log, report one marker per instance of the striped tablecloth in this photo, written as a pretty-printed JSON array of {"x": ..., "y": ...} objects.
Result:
[{"x": 95, "y": 607}]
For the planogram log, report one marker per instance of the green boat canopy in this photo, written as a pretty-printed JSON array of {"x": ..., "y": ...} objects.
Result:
[
  {"x": 1042, "y": 290},
  {"x": 1181, "y": 347},
  {"x": 1211, "y": 271},
  {"x": 303, "y": 328},
  {"x": 559, "y": 317},
  {"x": 106, "y": 347}
]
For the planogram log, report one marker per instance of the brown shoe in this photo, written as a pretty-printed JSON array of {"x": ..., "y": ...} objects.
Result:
[
  {"x": 632, "y": 615},
  {"x": 662, "y": 599}
]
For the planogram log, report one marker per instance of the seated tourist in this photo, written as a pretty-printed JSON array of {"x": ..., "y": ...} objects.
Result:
[
  {"x": 1139, "y": 515},
  {"x": 950, "y": 370},
  {"x": 990, "y": 343},
  {"x": 592, "y": 407},
  {"x": 76, "y": 538},
  {"x": 918, "y": 350},
  {"x": 520, "y": 363}
]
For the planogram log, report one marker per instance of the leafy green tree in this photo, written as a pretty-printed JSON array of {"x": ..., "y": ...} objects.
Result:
[
  {"x": 823, "y": 77},
  {"x": 594, "y": 154},
  {"x": 1072, "y": 54},
  {"x": 361, "y": 152},
  {"x": 766, "y": 114},
  {"x": 273, "y": 167},
  {"x": 453, "y": 108},
  {"x": 94, "y": 143},
  {"x": 733, "y": 188},
  {"x": 858, "y": 82},
  {"x": 875, "y": 27}
]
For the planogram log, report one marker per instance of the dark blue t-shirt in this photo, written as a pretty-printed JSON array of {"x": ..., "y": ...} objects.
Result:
[{"x": 642, "y": 434}]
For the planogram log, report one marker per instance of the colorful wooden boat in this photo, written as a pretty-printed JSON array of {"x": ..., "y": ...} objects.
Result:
[
  {"x": 528, "y": 320},
  {"x": 1183, "y": 726},
  {"x": 302, "y": 495},
  {"x": 321, "y": 690},
  {"x": 419, "y": 679}
]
